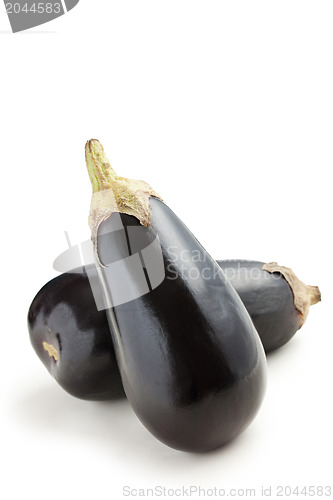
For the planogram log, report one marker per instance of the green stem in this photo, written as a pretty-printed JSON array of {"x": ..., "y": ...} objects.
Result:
[
  {"x": 112, "y": 193},
  {"x": 100, "y": 171}
]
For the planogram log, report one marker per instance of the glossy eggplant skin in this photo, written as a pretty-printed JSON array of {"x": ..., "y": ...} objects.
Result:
[
  {"x": 64, "y": 315},
  {"x": 191, "y": 361},
  {"x": 268, "y": 299}
]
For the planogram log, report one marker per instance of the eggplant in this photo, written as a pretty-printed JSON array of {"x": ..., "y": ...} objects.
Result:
[
  {"x": 191, "y": 362},
  {"x": 267, "y": 296},
  {"x": 277, "y": 301},
  {"x": 72, "y": 338}
]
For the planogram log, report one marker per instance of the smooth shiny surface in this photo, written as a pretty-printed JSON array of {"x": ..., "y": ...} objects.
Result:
[
  {"x": 64, "y": 315},
  {"x": 191, "y": 361},
  {"x": 268, "y": 299}
]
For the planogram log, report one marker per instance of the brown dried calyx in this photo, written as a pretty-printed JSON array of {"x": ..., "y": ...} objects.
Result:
[
  {"x": 112, "y": 193},
  {"x": 304, "y": 295}
]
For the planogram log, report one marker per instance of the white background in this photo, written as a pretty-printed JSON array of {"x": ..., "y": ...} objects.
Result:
[{"x": 225, "y": 108}]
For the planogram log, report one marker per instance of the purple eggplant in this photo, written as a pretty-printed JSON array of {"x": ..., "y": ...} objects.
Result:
[
  {"x": 267, "y": 296},
  {"x": 191, "y": 362}
]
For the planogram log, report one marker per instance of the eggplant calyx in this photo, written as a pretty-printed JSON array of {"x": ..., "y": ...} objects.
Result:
[
  {"x": 304, "y": 295},
  {"x": 112, "y": 193}
]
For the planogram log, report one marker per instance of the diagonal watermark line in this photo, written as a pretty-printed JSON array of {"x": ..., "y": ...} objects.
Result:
[{"x": 63, "y": 5}]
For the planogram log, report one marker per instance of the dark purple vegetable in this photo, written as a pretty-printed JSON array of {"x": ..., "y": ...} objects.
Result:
[
  {"x": 191, "y": 362},
  {"x": 73, "y": 340},
  {"x": 268, "y": 298},
  {"x": 277, "y": 301}
]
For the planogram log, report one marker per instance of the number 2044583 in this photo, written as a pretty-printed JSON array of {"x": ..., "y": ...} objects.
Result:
[
  {"x": 35, "y": 8},
  {"x": 311, "y": 491}
]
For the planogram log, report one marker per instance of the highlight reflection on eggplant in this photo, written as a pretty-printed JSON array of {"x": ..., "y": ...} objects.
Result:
[{"x": 191, "y": 362}]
